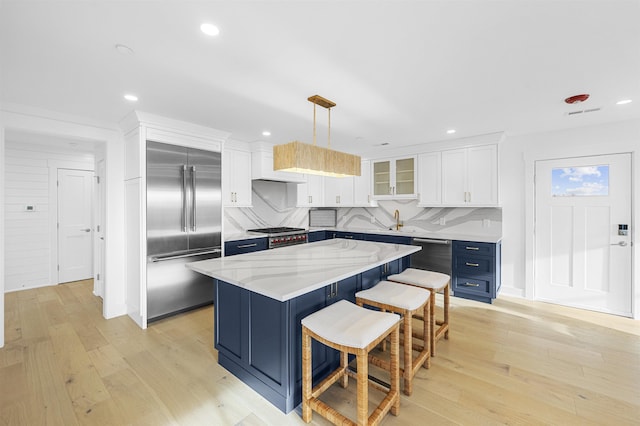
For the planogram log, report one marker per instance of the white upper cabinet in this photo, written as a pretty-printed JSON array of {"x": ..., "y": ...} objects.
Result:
[
  {"x": 430, "y": 179},
  {"x": 311, "y": 193},
  {"x": 262, "y": 165},
  {"x": 470, "y": 176},
  {"x": 363, "y": 196},
  {"x": 236, "y": 178},
  {"x": 338, "y": 192},
  {"x": 394, "y": 178}
]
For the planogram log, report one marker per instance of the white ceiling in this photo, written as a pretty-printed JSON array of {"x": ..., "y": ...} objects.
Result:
[{"x": 401, "y": 72}]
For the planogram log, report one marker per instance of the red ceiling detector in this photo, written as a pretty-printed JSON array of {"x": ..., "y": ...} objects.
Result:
[{"x": 577, "y": 98}]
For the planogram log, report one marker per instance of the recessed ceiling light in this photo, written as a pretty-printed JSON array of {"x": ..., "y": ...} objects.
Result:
[
  {"x": 131, "y": 98},
  {"x": 210, "y": 29},
  {"x": 266, "y": 133},
  {"x": 624, "y": 102},
  {"x": 451, "y": 131}
]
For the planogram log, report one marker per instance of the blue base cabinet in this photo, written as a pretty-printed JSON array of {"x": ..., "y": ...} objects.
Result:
[
  {"x": 232, "y": 248},
  {"x": 259, "y": 339},
  {"x": 476, "y": 270},
  {"x": 314, "y": 236}
]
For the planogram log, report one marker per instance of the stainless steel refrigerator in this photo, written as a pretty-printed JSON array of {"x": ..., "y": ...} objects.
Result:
[{"x": 184, "y": 223}]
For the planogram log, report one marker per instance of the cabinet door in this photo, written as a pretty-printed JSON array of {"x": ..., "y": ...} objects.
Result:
[
  {"x": 311, "y": 193},
  {"x": 454, "y": 176},
  {"x": 405, "y": 172},
  {"x": 382, "y": 178},
  {"x": 236, "y": 178},
  {"x": 470, "y": 176},
  {"x": 362, "y": 195},
  {"x": 430, "y": 179},
  {"x": 338, "y": 192},
  {"x": 482, "y": 178}
]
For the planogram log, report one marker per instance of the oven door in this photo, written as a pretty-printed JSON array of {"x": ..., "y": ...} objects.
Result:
[{"x": 434, "y": 256}]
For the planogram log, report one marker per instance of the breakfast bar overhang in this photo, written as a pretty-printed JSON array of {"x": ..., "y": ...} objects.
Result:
[{"x": 261, "y": 297}]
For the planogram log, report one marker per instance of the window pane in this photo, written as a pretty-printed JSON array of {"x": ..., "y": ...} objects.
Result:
[{"x": 580, "y": 181}]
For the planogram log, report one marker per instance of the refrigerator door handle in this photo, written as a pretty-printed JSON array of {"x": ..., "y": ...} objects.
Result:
[
  {"x": 160, "y": 258},
  {"x": 193, "y": 198},
  {"x": 184, "y": 198}
]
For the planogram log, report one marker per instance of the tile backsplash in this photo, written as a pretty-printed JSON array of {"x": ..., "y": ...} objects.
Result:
[{"x": 274, "y": 204}]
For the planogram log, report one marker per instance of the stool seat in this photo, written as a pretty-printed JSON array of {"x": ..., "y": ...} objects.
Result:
[
  {"x": 434, "y": 282},
  {"x": 421, "y": 278},
  {"x": 352, "y": 330},
  {"x": 401, "y": 296},
  {"x": 407, "y": 301},
  {"x": 347, "y": 324}
]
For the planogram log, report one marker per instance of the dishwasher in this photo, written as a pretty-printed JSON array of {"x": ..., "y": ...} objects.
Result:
[{"x": 434, "y": 256}]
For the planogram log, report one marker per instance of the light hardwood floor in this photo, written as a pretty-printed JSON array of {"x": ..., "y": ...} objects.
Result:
[{"x": 514, "y": 362}]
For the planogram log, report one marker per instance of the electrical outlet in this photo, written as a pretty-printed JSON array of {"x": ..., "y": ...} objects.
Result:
[
  {"x": 486, "y": 223},
  {"x": 443, "y": 221}
]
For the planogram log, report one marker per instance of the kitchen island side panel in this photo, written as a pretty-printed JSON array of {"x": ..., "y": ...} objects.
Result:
[{"x": 268, "y": 335}]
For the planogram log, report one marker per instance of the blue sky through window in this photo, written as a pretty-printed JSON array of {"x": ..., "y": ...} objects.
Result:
[{"x": 580, "y": 181}]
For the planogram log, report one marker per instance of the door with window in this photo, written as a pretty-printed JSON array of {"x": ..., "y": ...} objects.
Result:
[
  {"x": 75, "y": 242},
  {"x": 583, "y": 232}
]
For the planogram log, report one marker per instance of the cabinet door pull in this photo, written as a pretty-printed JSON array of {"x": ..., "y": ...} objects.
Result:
[
  {"x": 247, "y": 245},
  {"x": 468, "y": 284},
  {"x": 472, "y": 264},
  {"x": 310, "y": 199},
  {"x": 472, "y": 248}
]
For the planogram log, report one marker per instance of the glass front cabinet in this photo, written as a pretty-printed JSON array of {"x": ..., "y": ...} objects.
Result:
[{"x": 394, "y": 178}]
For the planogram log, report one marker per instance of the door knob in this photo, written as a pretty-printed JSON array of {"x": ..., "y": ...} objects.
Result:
[{"x": 620, "y": 243}]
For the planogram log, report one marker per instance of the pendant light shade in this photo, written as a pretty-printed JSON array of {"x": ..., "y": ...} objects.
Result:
[{"x": 300, "y": 157}]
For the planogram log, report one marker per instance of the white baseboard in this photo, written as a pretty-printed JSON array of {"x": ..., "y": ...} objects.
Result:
[{"x": 512, "y": 291}]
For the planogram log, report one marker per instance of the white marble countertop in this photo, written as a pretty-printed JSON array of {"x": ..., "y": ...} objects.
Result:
[
  {"x": 411, "y": 234},
  {"x": 419, "y": 234},
  {"x": 288, "y": 272}
]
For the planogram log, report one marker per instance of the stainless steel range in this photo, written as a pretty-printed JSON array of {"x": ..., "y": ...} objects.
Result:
[{"x": 283, "y": 236}]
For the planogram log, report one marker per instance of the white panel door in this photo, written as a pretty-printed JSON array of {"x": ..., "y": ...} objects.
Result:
[
  {"x": 75, "y": 244},
  {"x": 580, "y": 258}
]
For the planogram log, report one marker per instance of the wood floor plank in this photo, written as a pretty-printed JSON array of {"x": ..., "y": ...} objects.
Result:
[{"x": 512, "y": 362}]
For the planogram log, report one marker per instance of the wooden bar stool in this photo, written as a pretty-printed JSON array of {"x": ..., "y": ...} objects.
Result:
[
  {"x": 350, "y": 329},
  {"x": 405, "y": 300},
  {"x": 434, "y": 282}
]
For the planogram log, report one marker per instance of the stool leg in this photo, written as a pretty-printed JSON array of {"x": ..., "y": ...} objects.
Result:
[
  {"x": 395, "y": 369},
  {"x": 432, "y": 321},
  {"x": 446, "y": 309},
  {"x": 426, "y": 333},
  {"x": 408, "y": 349},
  {"x": 362, "y": 404},
  {"x": 344, "y": 357},
  {"x": 306, "y": 376}
]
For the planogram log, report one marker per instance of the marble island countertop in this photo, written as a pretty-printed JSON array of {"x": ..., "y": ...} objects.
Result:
[{"x": 288, "y": 272}]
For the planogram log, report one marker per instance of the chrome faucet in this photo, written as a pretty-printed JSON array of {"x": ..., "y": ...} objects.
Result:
[{"x": 396, "y": 216}]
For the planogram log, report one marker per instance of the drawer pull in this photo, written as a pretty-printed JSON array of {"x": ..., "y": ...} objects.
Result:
[
  {"x": 472, "y": 248},
  {"x": 247, "y": 245},
  {"x": 472, "y": 264},
  {"x": 467, "y": 284}
]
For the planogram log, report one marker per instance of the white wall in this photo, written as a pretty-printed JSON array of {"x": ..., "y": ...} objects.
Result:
[
  {"x": 30, "y": 236},
  {"x": 1, "y": 235},
  {"x": 518, "y": 156}
]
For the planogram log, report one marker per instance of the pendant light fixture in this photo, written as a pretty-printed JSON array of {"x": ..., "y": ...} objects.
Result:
[{"x": 300, "y": 157}]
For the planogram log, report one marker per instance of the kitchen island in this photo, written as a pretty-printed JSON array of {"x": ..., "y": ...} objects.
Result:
[{"x": 261, "y": 297}]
